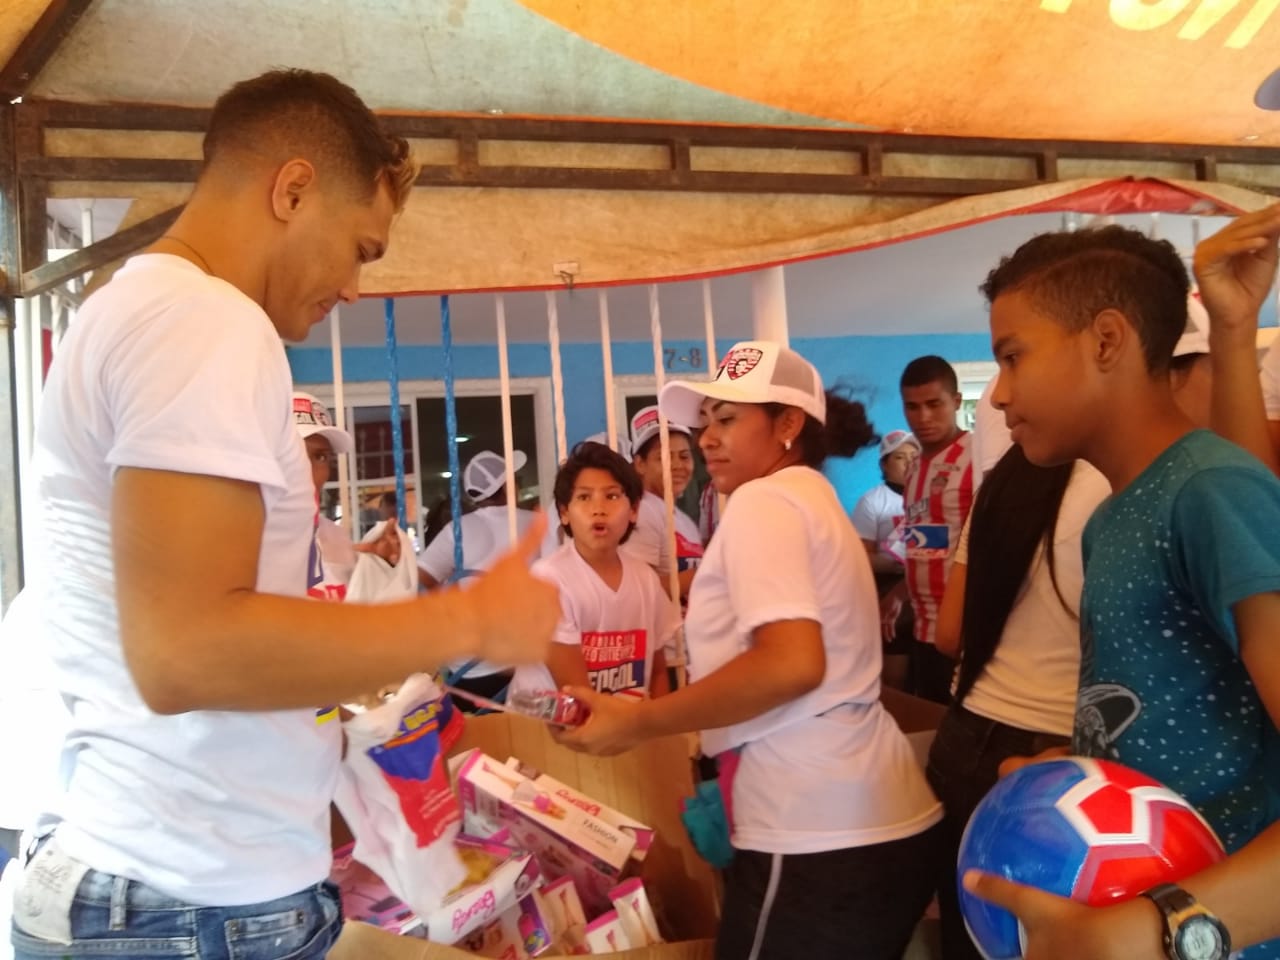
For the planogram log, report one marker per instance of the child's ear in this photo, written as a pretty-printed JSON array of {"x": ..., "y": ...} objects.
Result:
[{"x": 563, "y": 513}]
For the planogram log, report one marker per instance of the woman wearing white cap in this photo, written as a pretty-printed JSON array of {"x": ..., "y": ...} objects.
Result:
[
  {"x": 833, "y": 824},
  {"x": 649, "y": 541}
]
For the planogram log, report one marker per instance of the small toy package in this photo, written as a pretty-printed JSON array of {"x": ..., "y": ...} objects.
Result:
[{"x": 565, "y": 839}]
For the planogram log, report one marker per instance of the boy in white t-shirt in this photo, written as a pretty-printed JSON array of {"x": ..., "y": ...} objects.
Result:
[{"x": 616, "y": 618}]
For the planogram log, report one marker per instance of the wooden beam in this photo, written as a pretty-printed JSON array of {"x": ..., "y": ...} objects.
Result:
[
  {"x": 109, "y": 169},
  {"x": 49, "y": 275},
  {"x": 39, "y": 45},
  {"x": 10, "y": 245},
  {"x": 131, "y": 116}
]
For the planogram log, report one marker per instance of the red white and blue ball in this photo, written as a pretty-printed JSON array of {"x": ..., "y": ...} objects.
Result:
[{"x": 1092, "y": 830}]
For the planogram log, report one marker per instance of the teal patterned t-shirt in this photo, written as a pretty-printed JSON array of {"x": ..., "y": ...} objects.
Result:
[{"x": 1162, "y": 686}]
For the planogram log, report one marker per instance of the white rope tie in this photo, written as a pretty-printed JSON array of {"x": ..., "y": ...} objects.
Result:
[
  {"x": 557, "y": 376},
  {"x": 606, "y": 356},
  {"x": 508, "y": 437},
  {"x": 668, "y": 496}
]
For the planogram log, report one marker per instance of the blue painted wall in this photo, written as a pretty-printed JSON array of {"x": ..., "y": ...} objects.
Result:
[{"x": 869, "y": 366}]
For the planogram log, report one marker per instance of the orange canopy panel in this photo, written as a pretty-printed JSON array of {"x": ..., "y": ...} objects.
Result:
[{"x": 1160, "y": 71}]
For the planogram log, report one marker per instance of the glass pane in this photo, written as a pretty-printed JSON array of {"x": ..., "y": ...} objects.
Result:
[
  {"x": 479, "y": 428},
  {"x": 375, "y": 470}
]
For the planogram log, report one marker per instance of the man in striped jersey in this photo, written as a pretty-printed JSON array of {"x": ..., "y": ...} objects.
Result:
[{"x": 937, "y": 496}]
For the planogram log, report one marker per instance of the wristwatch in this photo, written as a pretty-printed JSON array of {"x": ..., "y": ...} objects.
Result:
[{"x": 1191, "y": 932}]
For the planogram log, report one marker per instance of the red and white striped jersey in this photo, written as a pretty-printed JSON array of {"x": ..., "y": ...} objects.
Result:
[{"x": 937, "y": 497}]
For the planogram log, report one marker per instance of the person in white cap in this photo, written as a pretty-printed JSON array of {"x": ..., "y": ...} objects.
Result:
[
  {"x": 877, "y": 515},
  {"x": 879, "y": 510},
  {"x": 485, "y": 538},
  {"x": 485, "y": 530},
  {"x": 334, "y": 555},
  {"x": 649, "y": 541},
  {"x": 834, "y": 826},
  {"x": 1191, "y": 371}
]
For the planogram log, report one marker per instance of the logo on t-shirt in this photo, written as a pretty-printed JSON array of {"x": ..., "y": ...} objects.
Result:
[
  {"x": 739, "y": 362},
  {"x": 688, "y": 553},
  {"x": 928, "y": 541},
  {"x": 615, "y": 659}
]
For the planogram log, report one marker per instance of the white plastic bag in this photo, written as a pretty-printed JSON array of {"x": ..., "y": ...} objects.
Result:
[
  {"x": 376, "y": 581},
  {"x": 394, "y": 794}
]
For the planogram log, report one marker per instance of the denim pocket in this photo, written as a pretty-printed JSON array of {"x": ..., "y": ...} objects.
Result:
[{"x": 308, "y": 930}]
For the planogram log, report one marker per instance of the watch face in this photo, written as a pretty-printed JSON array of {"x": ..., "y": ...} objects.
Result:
[{"x": 1199, "y": 939}]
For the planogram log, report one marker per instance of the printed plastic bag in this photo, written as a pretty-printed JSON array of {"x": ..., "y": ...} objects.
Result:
[{"x": 394, "y": 793}]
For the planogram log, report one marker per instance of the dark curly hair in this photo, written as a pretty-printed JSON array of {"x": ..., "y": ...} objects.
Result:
[
  {"x": 589, "y": 455},
  {"x": 846, "y": 431}
]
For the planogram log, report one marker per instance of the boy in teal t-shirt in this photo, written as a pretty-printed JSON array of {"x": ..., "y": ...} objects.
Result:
[
  {"x": 1180, "y": 617},
  {"x": 1162, "y": 685}
]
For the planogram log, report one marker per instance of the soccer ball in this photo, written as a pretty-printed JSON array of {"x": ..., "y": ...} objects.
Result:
[{"x": 1091, "y": 830}]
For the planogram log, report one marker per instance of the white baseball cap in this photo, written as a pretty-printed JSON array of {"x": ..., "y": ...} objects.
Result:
[
  {"x": 312, "y": 417},
  {"x": 486, "y": 473},
  {"x": 754, "y": 371},
  {"x": 645, "y": 426},
  {"x": 892, "y": 440},
  {"x": 1195, "y": 338}
]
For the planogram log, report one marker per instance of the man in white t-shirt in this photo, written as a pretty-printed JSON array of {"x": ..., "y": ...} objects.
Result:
[{"x": 176, "y": 513}]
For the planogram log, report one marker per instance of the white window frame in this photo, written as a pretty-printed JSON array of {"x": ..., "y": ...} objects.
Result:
[
  {"x": 370, "y": 393},
  {"x": 627, "y": 386},
  {"x": 973, "y": 377}
]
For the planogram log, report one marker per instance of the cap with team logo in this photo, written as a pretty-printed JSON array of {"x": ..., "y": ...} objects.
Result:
[
  {"x": 486, "y": 473},
  {"x": 312, "y": 417},
  {"x": 1195, "y": 338},
  {"x": 754, "y": 371},
  {"x": 896, "y": 438},
  {"x": 644, "y": 427}
]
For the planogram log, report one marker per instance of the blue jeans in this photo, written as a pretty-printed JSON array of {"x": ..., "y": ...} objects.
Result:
[{"x": 116, "y": 918}]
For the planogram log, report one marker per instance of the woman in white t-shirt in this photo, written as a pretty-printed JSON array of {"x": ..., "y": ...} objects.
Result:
[
  {"x": 1011, "y": 613},
  {"x": 649, "y": 541},
  {"x": 833, "y": 824}
]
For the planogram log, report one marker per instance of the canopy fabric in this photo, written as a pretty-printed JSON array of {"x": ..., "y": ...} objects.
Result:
[
  {"x": 1156, "y": 71},
  {"x": 476, "y": 240}
]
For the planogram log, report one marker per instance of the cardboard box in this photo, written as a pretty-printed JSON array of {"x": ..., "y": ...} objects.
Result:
[{"x": 646, "y": 784}]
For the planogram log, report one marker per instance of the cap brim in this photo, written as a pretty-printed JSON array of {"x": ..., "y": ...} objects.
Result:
[
  {"x": 681, "y": 400},
  {"x": 340, "y": 440},
  {"x": 518, "y": 460}
]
